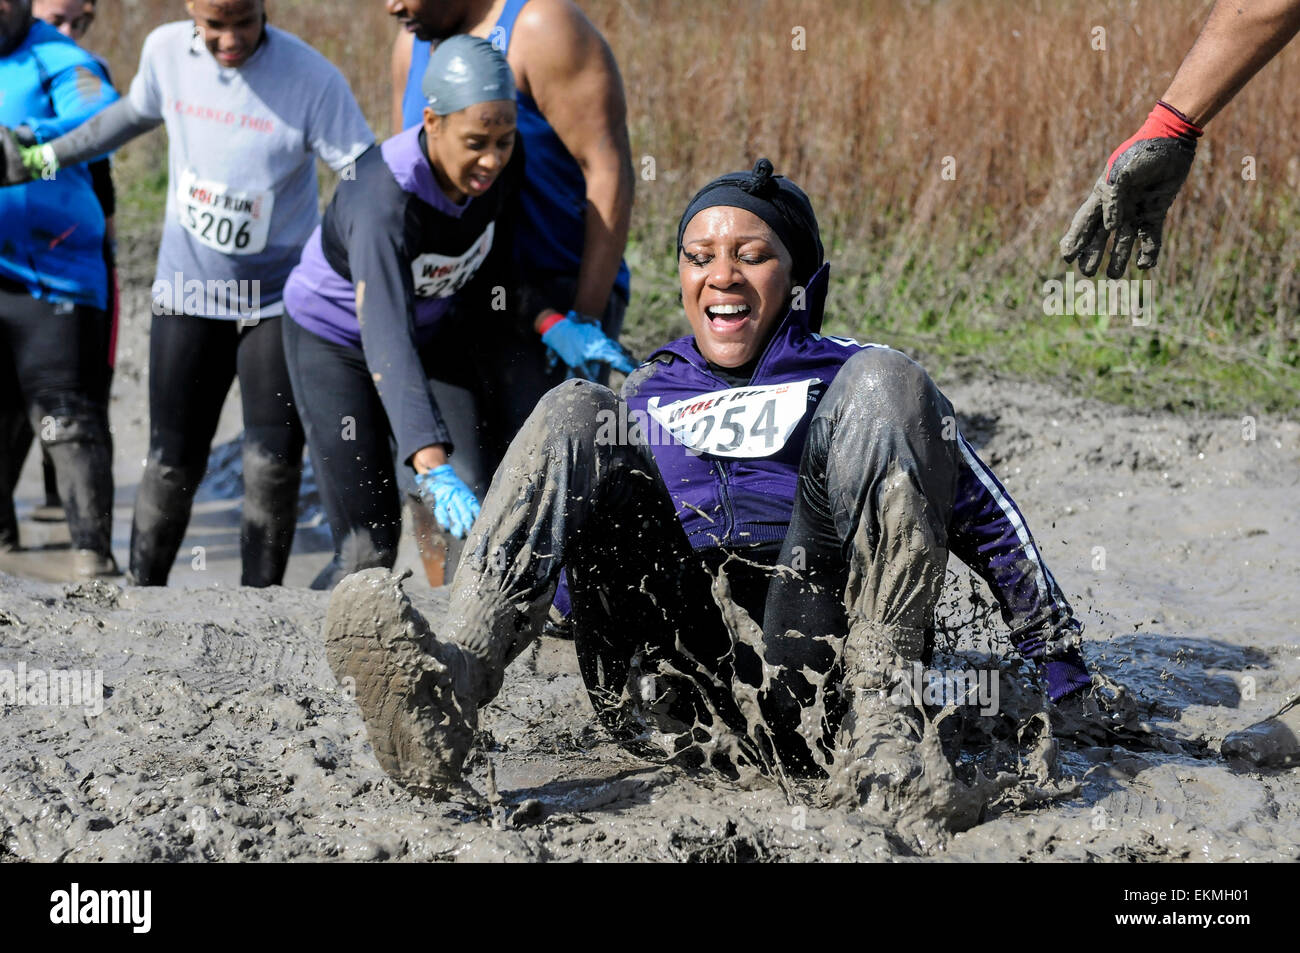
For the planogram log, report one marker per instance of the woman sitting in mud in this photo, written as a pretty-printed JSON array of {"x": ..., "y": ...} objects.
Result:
[{"x": 758, "y": 489}]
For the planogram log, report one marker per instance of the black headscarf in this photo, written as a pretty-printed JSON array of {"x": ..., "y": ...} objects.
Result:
[{"x": 778, "y": 202}]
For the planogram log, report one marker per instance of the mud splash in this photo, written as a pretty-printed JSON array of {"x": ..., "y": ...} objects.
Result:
[{"x": 224, "y": 735}]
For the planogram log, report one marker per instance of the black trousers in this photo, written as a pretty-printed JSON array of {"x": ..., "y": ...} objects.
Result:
[
  {"x": 52, "y": 371},
  {"x": 486, "y": 379},
  {"x": 192, "y": 363},
  {"x": 860, "y": 571}
]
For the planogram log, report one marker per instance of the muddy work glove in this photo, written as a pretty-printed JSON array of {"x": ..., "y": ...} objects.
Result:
[
  {"x": 453, "y": 503},
  {"x": 581, "y": 345},
  {"x": 1132, "y": 197}
]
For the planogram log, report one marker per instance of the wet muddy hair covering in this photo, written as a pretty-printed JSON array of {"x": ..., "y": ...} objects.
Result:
[
  {"x": 778, "y": 202},
  {"x": 464, "y": 71}
]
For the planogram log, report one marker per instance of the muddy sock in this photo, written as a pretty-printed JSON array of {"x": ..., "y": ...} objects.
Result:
[
  {"x": 78, "y": 446},
  {"x": 269, "y": 517},
  {"x": 162, "y": 513}
]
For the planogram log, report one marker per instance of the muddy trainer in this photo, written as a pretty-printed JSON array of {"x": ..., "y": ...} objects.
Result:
[{"x": 826, "y": 477}]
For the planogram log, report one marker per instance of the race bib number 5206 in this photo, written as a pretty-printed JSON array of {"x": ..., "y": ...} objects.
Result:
[
  {"x": 739, "y": 422},
  {"x": 229, "y": 220}
]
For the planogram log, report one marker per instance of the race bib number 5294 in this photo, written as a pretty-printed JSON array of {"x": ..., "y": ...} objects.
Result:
[
  {"x": 228, "y": 220},
  {"x": 738, "y": 422}
]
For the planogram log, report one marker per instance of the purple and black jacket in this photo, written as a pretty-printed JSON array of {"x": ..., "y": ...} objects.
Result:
[{"x": 730, "y": 502}]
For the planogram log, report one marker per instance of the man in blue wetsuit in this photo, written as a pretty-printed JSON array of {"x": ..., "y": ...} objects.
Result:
[{"x": 54, "y": 284}]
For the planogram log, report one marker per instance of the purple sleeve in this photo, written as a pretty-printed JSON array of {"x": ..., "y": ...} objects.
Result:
[{"x": 989, "y": 534}]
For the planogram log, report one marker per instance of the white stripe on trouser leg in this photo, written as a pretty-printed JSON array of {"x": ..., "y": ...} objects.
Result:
[{"x": 1012, "y": 514}]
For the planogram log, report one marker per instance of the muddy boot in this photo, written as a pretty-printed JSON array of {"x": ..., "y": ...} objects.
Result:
[
  {"x": 269, "y": 517},
  {"x": 77, "y": 443},
  {"x": 162, "y": 513},
  {"x": 418, "y": 696},
  {"x": 1271, "y": 743},
  {"x": 88, "y": 564},
  {"x": 876, "y": 755},
  {"x": 888, "y": 760}
]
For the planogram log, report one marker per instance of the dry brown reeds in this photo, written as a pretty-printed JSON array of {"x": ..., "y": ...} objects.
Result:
[{"x": 1013, "y": 97}]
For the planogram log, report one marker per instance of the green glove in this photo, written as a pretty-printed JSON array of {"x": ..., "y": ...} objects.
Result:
[{"x": 39, "y": 161}]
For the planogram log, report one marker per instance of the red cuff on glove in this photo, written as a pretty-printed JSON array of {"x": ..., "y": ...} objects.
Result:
[
  {"x": 550, "y": 322},
  {"x": 1163, "y": 122}
]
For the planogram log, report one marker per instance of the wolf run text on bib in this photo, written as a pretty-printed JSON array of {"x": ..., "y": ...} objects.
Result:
[
  {"x": 441, "y": 276},
  {"x": 225, "y": 219},
  {"x": 738, "y": 422}
]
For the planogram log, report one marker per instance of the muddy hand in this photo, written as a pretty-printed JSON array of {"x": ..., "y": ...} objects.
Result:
[
  {"x": 1133, "y": 196},
  {"x": 13, "y": 168},
  {"x": 1105, "y": 714}
]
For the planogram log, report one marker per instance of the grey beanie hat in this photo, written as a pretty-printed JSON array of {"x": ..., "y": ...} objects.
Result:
[{"x": 464, "y": 71}]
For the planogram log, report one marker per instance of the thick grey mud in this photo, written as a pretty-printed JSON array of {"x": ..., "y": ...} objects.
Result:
[{"x": 225, "y": 735}]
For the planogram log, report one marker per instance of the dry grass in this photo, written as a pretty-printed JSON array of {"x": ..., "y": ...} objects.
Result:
[{"x": 1012, "y": 90}]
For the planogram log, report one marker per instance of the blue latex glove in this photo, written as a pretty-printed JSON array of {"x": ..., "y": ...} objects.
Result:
[
  {"x": 453, "y": 503},
  {"x": 581, "y": 344}
]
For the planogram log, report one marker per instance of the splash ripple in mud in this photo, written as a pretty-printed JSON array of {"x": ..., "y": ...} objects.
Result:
[{"x": 223, "y": 735}]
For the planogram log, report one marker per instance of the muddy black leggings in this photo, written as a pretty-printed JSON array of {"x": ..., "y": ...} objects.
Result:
[
  {"x": 865, "y": 553},
  {"x": 486, "y": 381},
  {"x": 50, "y": 366},
  {"x": 192, "y": 362}
]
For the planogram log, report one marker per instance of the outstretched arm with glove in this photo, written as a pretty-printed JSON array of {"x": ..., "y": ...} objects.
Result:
[
  {"x": 1143, "y": 176},
  {"x": 79, "y": 95}
]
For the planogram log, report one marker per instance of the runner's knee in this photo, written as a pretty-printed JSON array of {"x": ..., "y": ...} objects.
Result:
[
  {"x": 575, "y": 409},
  {"x": 887, "y": 381},
  {"x": 73, "y": 420}
]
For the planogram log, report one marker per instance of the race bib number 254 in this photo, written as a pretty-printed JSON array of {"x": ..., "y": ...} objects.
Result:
[{"x": 738, "y": 422}]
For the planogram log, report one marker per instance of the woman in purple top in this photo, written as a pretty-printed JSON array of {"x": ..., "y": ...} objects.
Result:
[
  {"x": 400, "y": 287},
  {"x": 826, "y": 476}
]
